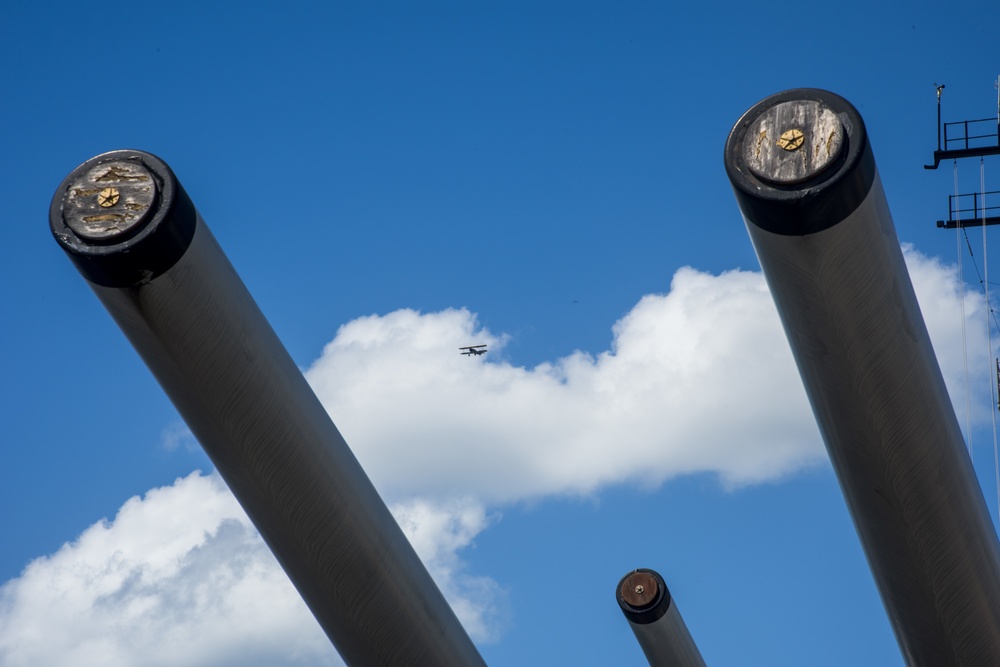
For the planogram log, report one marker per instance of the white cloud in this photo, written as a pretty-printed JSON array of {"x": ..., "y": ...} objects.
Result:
[
  {"x": 438, "y": 532},
  {"x": 178, "y": 435},
  {"x": 698, "y": 380},
  {"x": 180, "y": 577},
  {"x": 941, "y": 295}
]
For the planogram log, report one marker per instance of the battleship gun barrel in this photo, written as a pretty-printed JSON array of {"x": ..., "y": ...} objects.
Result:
[
  {"x": 657, "y": 624},
  {"x": 802, "y": 168},
  {"x": 134, "y": 234}
]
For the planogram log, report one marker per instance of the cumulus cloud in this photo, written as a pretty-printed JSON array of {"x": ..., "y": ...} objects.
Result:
[
  {"x": 438, "y": 533},
  {"x": 942, "y": 295},
  {"x": 698, "y": 380},
  {"x": 180, "y": 577},
  {"x": 178, "y": 435}
]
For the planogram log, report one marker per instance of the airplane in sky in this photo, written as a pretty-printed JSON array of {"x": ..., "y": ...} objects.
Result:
[{"x": 476, "y": 350}]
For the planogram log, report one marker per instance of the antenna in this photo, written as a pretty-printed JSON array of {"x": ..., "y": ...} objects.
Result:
[{"x": 940, "y": 88}]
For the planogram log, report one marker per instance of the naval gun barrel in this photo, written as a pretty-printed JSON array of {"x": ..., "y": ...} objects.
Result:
[
  {"x": 657, "y": 624},
  {"x": 134, "y": 234},
  {"x": 802, "y": 168}
]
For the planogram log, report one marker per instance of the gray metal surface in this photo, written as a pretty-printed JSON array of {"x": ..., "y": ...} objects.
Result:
[
  {"x": 852, "y": 319},
  {"x": 667, "y": 642},
  {"x": 656, "y": 622},
  {"x": 213, "y": 352}
]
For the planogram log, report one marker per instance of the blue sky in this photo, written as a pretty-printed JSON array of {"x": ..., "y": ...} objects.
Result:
[{"x": 393, "y": 182}]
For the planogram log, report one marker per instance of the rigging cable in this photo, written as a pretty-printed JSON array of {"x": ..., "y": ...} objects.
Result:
[
  {"x": 957, "y": 215},
  {"x": 989, "y": 330},
  {"x": 979, "y": 275}
]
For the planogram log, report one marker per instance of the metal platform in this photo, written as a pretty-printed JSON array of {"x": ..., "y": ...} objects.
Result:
[
  {"x": 968, "y": 138},
  {"x": 970, "y": 210}
]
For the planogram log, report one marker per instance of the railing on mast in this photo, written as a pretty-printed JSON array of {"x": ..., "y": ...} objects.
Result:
[
  {"x": 962, "y": 213},
  {"x": 966, "y": 138}
]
